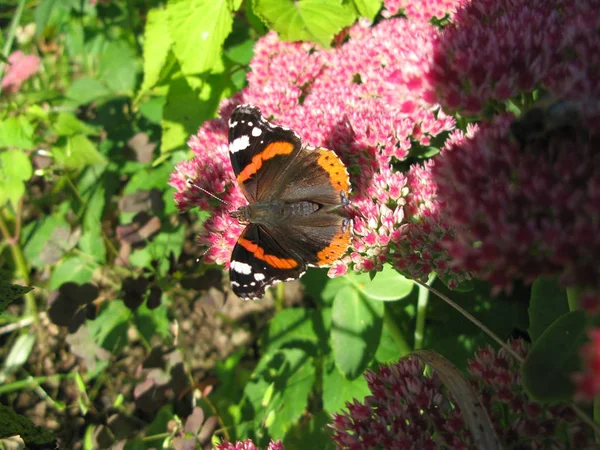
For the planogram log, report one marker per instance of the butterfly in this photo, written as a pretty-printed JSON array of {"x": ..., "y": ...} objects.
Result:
[{"x": 295, "y": 196}]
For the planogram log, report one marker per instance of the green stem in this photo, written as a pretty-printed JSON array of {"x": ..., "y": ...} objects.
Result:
[
  {"x": 422, "y": 313},
  {"x": 573, "y": 298},
  {"x": 19, "y": 260},
  {"x": 11, "y": 36},
  {"x": 396, "y": 333},
  {"x": 33, "y": 382},
  {"x": 279, "y": 297}
]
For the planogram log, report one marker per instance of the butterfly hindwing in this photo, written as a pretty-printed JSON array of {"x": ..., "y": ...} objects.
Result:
[{"x": 258, "y": 261}]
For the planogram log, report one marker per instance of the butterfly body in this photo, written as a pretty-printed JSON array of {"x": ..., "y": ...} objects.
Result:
[{"x": 293, "y": 218}]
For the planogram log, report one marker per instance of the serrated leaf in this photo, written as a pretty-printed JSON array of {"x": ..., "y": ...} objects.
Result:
[
  {"x": 117, "y": 67},
  {"x": 337, "y": 389},
  {"x": 15, "y": 169},
  {"x": 367, "y": 8},
  {"x": 548, "y": 302},
  {"x": 86, "y": 90},
  {"x": 13, "y": 424},
  {"x": 553, "y": 358},
  {"x": 387, "y": 285},
  {"x": 157, "y": 43},
  {"x": 16, "y": 132},
  {"x": 305, "y": 20},
  {"x": 356, "y": 323},
  {"x": 10, "y": 292},
  {"x": 198, "y": 29}
]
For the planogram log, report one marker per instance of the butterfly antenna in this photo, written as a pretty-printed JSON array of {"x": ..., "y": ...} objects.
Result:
[{"x": 190, "y": 183}]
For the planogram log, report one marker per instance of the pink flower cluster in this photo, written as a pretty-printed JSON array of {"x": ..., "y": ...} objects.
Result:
[
  {"x": 496, "y": 49},
  {"x": 422, "y": 10},
  {"x": 366, "y": 100},
  {"x": 20, "y": 67},
  {"x": 588, "y": 381},
  {"x": 518, "y": 213},
  {"x": 408, "y": 409},
  {"x": 249, "y": 445}
]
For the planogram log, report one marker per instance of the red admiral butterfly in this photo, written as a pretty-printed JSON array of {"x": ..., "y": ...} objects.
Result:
[{"x": 294, "y": 193}]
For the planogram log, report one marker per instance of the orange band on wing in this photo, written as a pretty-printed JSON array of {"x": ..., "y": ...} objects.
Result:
[
  {"x": 272, "y": 150},
  {"x": 336, "y": 249},
  {"x": 272, "y": 260},
  {"x": 336, "y": 169}
]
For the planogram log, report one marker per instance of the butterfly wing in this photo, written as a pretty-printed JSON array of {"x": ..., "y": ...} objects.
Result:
[
  {"x": 260, "y": 152},
  {"x": 259, "y": 260}
]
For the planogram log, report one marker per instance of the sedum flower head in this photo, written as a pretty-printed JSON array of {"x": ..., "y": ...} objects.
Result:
[
  {"x": 408, "y": 409},
  {"x": 366, "y": 99}
]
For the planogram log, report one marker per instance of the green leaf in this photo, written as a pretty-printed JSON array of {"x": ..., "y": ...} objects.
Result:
[
  {"x": 118, "y": 67},
  {"x": 78, "y": 152},
  {"x": 553, "y": 358},
  {"x": 11, "y": 292},
  {"x": 151, "y": 322},
  {"x": 337, "y": 389},
  {"x": 295, "y": 325},
  {"x": 186, "y": 108},
  {"x": 356, "y": 329},
  {"x": 388, "y": 350},
  {"x": 109, "y": 329},
  {"x": 18, "y": 355},
  {"x": 305, "y": 20},
  {"x": 13, "y": 424},
  {"x": 159, "y": 249},
  {"x": 36, "y": 234},
  {"x": 67, "y": 124},
  {"x": 290, "y": 375},
  {"x": 198, "y": 29},
  {"x": 42, "y": 15},
  {"x": 548, "y": 302},
  {"x": 157, "y": 43},
  {"x": 86, "y": 90},
  {"x": 16, "y": 132},
  {"x": 153, "y": 109},
  {"x": 15, "y": 169},
  {"x": 74, "y": 269},
  {"x": 367, "y": 8},
  {"x": 387, "y": 285}
]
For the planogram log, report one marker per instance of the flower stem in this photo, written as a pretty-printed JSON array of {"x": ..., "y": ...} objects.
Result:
[
  {"x": 396, "y": 333},
  {"x": 422, "y": 313},
  {"x": 23, "y": 269},
  {"x": 10, "y": 37}
]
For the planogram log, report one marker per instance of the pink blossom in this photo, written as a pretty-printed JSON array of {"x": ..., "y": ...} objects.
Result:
[
  {"x": 518, "y": 213},
  {"x": 422, "y": 10},
  {"x": 410, "y": 409},
  {"x": 364, "y": 99},
  {"x": 494, "y": 50},
  {"x": 249, "y": 445},
  {"x": 19, "y": 68}
]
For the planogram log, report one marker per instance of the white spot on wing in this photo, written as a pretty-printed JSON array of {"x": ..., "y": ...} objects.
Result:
[
  {"x": 232, "y": 124},
  {"x": 256, "y": 131},
  {"x": 240, "y": 143},
  {"x": 259, "y": 276},
  {"x": 240, "y": 267}
]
